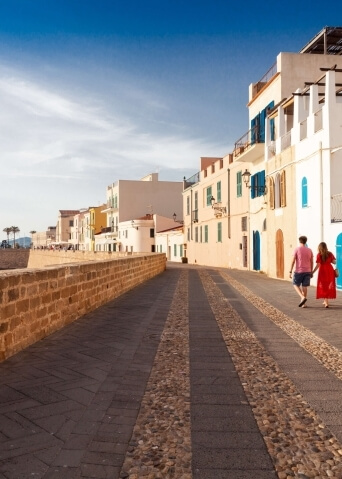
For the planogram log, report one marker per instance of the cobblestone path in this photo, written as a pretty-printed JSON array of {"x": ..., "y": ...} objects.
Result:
[{"x": 200, "y": 373}]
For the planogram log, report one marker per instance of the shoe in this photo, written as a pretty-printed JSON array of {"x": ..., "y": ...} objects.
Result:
[
  {"x": 326, "y": 306},
  {"x": 303, "y": 301},
  {"x": 304, "y": 306}
]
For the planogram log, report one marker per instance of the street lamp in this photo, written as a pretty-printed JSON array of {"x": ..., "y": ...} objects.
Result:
[
  {"x": 216, "y": 207},
  {"x": 174, "y": 216},
  {"x": 258, "y": 189}
]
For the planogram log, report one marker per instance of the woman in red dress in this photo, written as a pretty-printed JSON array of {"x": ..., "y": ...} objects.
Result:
[{"x": 326, "y": 281}]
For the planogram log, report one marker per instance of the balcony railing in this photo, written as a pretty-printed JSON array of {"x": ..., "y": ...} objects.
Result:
[
  {"x": 250, "y": 138},
  {"x": 265, "y": 79},
  {"x": 336, "y": 208},
  {"x": 110, "y": 229},
  {"x": 286, "y": 141},
  {"x": 192, "y": 180}
]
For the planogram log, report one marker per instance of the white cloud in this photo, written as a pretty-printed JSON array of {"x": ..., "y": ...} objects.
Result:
[{"x": 81, "y": 144}]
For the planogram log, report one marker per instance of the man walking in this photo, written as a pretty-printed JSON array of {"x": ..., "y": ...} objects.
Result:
[{"x": 303, "y": 259}]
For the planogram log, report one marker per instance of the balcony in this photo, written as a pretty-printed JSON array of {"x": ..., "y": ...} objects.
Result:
[
  {"x": 258, "y": 86},
  {"x": 113, "y": 230},
  {"x": 109, "y": 207},
  {"x": 192, "y": 180},
  {"x": 250, "y": 146}
]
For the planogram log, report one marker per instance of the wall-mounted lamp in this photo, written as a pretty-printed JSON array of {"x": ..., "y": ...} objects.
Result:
[
  {"x": 258, "y": 189},
  {"x": 133, "y": 225},
  {"x": 174, "y": 216},
  {"x": 216, "y": 207}
]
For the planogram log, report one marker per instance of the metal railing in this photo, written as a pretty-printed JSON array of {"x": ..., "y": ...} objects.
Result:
[
  {"x": 192, "y": 180},
  {"x": 266, "y": 77},
  {"x": 250, "y": 138},
  {"x": 109, "y": 229}
]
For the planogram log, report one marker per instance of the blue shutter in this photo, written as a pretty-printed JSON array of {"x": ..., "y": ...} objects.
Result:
[
  {"x": 253, "y": 123},
  {"x": 304, "y": 193},
  {"x": 253, "y": 184}
]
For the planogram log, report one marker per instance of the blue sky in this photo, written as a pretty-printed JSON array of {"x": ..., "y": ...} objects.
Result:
[{"x": 92, "y": 91}]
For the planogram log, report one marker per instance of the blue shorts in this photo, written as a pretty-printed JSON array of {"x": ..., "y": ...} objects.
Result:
[{"x": 301, "y": 279}]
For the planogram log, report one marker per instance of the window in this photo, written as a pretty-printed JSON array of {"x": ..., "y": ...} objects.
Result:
[
  {"x": 206, "y": 234},
  {"x": 196, "y": 234},
  {"x": 304, "y": 192},
  {"x": 239, "y": 183},
  {"x": 71, "y": 223},
  {"x": 244, "y": 223},
  {"x": 282, "y": 189},
  {"x": 258, "y": 184},
  {"x": 200, "y": 234},
  {"x": 258, "y": 126},
  {"x": 209, "y": 195},
  {"x": 271, "y": 193},
  {"x": 218, "y": 191},
  {"x": 219, "y": 232},
  {"x": 180, "y": 250},
  {"x": 174, "y": 250},
  {"x": 188, "y": 234},
  {"x": 151, "y": 232},
  {"x": 188, "y": 205}
]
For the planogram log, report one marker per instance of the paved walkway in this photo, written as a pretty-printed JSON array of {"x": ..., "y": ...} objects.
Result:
[{"x": 249, "y": 385}]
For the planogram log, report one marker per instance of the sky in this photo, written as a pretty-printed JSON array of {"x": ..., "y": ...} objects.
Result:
[{"x": 93, "y": 91}]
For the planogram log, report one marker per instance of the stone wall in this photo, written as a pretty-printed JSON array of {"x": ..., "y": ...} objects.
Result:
[
  {"x": 14, "y": 258},
  {"x": 39, "y": 258},
  {"x": 36, "y": 302}
]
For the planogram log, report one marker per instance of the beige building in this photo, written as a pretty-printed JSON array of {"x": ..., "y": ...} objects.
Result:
[
  {"x": 129, "y": 200},
  {"x": 241, "y": 210},
  {"x": 215, "y": 215},
  {"x": 44, "y": 239},
  {"x": 64, "y": 226}
]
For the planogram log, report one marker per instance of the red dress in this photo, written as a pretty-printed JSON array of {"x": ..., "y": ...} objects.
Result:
[{"x": 326, "y": 281}]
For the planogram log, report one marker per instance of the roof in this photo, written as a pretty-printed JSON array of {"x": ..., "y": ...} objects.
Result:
[{"x": 328, "y": 41}]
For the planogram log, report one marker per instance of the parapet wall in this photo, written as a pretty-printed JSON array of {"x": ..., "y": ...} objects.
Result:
[
  {"x": 39, "y": 258},
  {"x": 14, "y": 258},
  {"x": 36, "y": 302}
]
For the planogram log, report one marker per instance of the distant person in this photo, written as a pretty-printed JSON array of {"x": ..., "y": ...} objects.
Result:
[
  {"x": 326, "y": 280},
  {"x": 303, "y": 259}
]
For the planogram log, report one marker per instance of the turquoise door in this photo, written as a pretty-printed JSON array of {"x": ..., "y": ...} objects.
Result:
[{"x": 256, "y": 250}]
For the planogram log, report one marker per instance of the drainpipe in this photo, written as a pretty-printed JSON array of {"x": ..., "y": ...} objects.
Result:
[{"x": 321, "y": 190}]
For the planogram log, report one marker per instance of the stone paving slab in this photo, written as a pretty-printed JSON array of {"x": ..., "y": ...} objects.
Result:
[{"x": 68, "y": 404}]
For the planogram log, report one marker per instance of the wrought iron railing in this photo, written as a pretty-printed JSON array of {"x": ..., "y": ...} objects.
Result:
[
  {"x": 109, "y": 229},
  {"x": 266, "y": 78},
  {"x": 250, "y": 138}
]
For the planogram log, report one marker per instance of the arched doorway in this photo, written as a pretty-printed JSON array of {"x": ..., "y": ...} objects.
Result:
[
  {"x": 339, "y": 260},
  {"x": 280, "y": 254},
  {"x": 256, "y": 250}
]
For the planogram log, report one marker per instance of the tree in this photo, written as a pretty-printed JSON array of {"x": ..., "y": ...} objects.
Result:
[
  {"x": 7, "y": 231},
  {"x": 14, "y": 230}
]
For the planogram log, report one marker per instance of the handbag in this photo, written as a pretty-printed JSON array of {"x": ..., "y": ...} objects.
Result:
[{"x": 337, "y": 273}]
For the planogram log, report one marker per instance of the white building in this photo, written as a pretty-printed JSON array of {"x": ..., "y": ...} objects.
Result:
[
  {"x": 129, "y": 200},
  {"x": 248, "y": 209}
]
